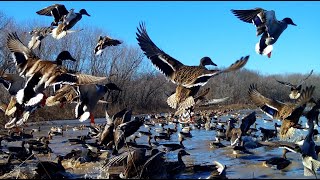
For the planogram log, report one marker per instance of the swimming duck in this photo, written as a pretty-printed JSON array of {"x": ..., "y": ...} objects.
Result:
[
  {"x": 173, "y": 147},
  {"x": 288, "y": 113},
  {"x": 68, "y": 22},
  {"x": 295, "y": 88},
  {"x": 58, "y": 11},
  {"x": 185, "y": 97},
  {"x": 104, "y": 42},
  {"x": 266, "y": 24},
  {"x": 40, "y": 73},
  {"x": 176, "y": 167},
  {"x": 38, "y": 34}
]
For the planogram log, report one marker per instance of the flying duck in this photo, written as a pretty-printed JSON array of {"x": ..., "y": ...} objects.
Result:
[
  {"x": 295, "y": 88},
  {"x": 41, "y": 73},
  {"x": 68, "y": 22},
  {"x": 104, "y": 42},
  {"x": 174, "y": 70},
  {"x": 267, "y": 24},
  {"x": 184, "y": 97},
  {"x": 38, "y": 34},
  {"x": 89, "y": 95},
  {"x": 288, "y": 113},
  {"x": 58, "y": 11}
]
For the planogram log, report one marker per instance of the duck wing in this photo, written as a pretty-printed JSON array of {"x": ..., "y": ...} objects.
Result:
[
  {"x": 303, "y": 80},
  {"x": 247, "y": 15},
  {"x": 286, "y": 83},
  {"x": 20, "y": 53},
  {"x": 269, "y": 106},
  {"x": 162, "y": 61}
]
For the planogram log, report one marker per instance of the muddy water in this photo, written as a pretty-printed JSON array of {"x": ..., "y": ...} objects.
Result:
[{"x": 244, "y": 166}]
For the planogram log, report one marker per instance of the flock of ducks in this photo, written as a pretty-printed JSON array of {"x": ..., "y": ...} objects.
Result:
[{"x": 117, "y": 137}]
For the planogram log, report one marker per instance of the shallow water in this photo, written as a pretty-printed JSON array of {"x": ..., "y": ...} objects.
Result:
[{"x": 245, "y": 166}]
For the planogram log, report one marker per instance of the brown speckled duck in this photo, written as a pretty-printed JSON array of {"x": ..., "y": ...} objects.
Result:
[{"x": 288, "y": 113}]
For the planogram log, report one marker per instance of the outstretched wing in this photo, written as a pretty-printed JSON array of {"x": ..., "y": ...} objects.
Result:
[
  {"x": 162, "y": 61},
  {"x": 247, "y": 15}
]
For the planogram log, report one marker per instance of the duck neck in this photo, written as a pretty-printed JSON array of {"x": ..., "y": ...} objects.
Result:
[
  {"x": 181, "y": 142},
  {"x": 180, "y": 159}
]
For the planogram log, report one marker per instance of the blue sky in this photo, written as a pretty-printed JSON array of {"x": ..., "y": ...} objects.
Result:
[{"x": 190, "y": 30}]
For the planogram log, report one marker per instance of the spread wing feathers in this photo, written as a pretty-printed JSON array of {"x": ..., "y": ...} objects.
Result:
[
  {"x": 187, "y": 103},
  {"x": 55, "y": 10},
  {"x": 162, "y": 61},
  {"x": 286, "y": 83},
  {"x": 306, "y": 95},
  {"x": 79, "y": 79},
  {"x": 214, "y": 101},
  {"x": 247, "y": 122},
  {"x": 247, "y": 15},
  {"x": 117, "y": 160},
  {"x": 172, "y": 101},
  {"x": 269, "y": 106},
  {"x": 20, "y": 53},
  {"x": 303, "y": 80},
  {"x": 154, "y": 163},
  {"x": 236, "y": 65},
  {"x": 67, "y": 93},
  {"x": 201, "y": 96}
]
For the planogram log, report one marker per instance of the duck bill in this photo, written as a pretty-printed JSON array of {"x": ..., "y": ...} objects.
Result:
[
  {"x": 72, "y": 59},
  {"x": 213, "y": 64},
  {"x": 87, "y": 14}
]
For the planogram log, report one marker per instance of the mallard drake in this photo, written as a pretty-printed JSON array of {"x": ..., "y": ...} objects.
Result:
[
  {"x": 104, "y": 42},
  {"x": 295, "y": 88},
  {"x": 38, "y": 34},
  {"x": 68, "y": 22},
  {"x": 41, "y": 73},
  {"x": 89, "y": 95},
  {"x": 288, "y": 113},
  {"x": 58, "y": 11},
  {"x": 266, "y": 24},
  {"x": 185, "y": 97}
]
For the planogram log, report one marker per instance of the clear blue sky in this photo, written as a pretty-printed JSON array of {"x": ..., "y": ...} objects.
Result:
[{"x": 190, "y": 30}]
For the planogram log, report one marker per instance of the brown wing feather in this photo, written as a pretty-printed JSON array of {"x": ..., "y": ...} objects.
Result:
[
  {"x": 261, "y": 100},
  {"x": 165, "y": 63}
]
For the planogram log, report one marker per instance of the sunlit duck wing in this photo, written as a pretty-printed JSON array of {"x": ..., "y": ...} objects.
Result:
[
  {"x": 58, "y": 11},
  {"x": 69, "y": 21},
  {"x": 269, "y": 106},
  {"x": 38, "y": 34}
]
